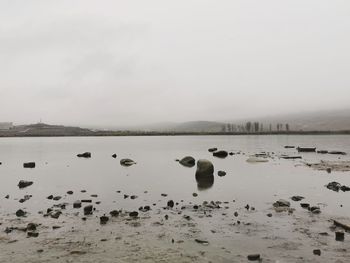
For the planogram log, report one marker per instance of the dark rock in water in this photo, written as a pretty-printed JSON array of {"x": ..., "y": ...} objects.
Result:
[
  {"x": 88, "y": 210},
  {"x": 337, "y": 152},
  {"x": 254, "y": 257},
  {"x": 31, "y": 227},
  {"x": 104, "y": 219},
  {"x": 20, "y": 213},
  {"x": 322, "y": 152},
  {"x": 84, "y": 155},
  {"x": 86, "y": 201},
  {"x": 23, "y": 183},
  {"x": 32, "y": 234},
  {"x": 221, "y": 173},
  {"x": 114, "y": 213},
  {"x": 114, "y": 156},
  {"x": 204, "y": 174},
  {"x": 126, "y": 196},
  {"x": 7, "y": 196},
  {"x": 134, "y": 214},
  {"x": 94, "y": 195},
  {"x": 146, "y": 208},
  {"x": 164, "y": 195},
  {"x": 286, "y": 157},
  {"x": 339, "y": 236},
  {"x": 315, "y": 209},
  {"x": 133, "y": 197},
  {"x": 29, "y": 165},
  {"x": 188, "y": 161},
  {"x": 170, "y": 203},
  {"x": 194, "y": 194},
  {"x": 127, "y": 162},
  {"x": 212, "y": 149},
  {"x": 77, "y": 204},
  {"x": 231, "y": 153},
  {"x": 317, "y": 252},
  {"x": 56, "y": 198},
  {"x": 25, "y": 198},
  {"x": 305, "y": 205},
  {"x": 281, "y": 203},
  {"x": 70, "y": 192},
  {"x": 335, "y": 186},
  {"x": 269, "y": 215},
  {"x": 297, "y": 198},
  {"x": 329, "y": 170},
  {"x": 220, "y": 154},
  {"x": 50, "y": 197},
  {"x": 306, "y": 149},
  {"x": 289, "y": 147}
]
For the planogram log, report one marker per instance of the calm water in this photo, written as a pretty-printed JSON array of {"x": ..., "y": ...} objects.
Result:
[{"x": 59, "y": 170}]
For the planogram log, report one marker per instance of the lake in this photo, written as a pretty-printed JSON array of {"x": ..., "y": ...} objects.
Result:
[{"x": 58, "y": 170}]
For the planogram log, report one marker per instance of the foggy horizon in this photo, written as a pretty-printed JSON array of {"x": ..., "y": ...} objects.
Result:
[{"x": 124, "y": 64}]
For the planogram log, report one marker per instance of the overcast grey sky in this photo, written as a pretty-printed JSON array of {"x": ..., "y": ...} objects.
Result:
[{"x": 134, "y": 62}]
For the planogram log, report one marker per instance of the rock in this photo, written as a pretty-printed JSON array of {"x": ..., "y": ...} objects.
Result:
[
  {"x": 188, "y": 161},
  {"x": 86, "y": 201},
  {"x": 305, "y": 205},
  {"x": 133, "y": 197},
  {"x": 31, "y": 227},
  {"x": 126, "y": 196},
  {"x": 339, "y": 236},
  {"x": 104, "y": 219},
  {"x": 315, "y": 209},
  {"x": 306, "y": 149},
  {"x": 281, "y": 203},
  {"x": 322, "y": 152},
  {"x": 56, "y": 198},
  {"x": 345, "y": 188},
  {"x": 334, "y": 186},
  {"x": 7, "y": 196},
  {"x": 29, "y": 165},
  {"x": 88, "y": 210},
  {"x": 269, "y": 215},
  {"x": 94, "y": 195},
  {"x": 20, "y": 213},
  {"x": 32, "y": 234},
  {"x": 289, "y": 147},
  {"x": 212, "y": 149},
  {"x": 50, "y": 197},
  {"x": 221, "y": 173},
  {"x": 127, "y": 162},
  {"x": 23, "y": 183},
  {"x": 114, "y": 213},
  {"x": 194, "y": 194},
  {"x": 134, "y": 214},
  {"x": 253, "y": 257},
  {"x": 77, "y": 204},
  {"x": 55, "y": 214},
  {"x": 337, "y": 152},
  {"x": 317, "y": 252},
  {"x": 297, "y": 198},
  {"x": 84, "y": 155},
  {"x": 170, "y": 203},
  {"x": 231, "y": 153},
  {"x": 220, "y": 154},
  {"x": 235, "y": 214},
  {"x": 203, "y": 242},
  {"x": 164, "y": 195},
  {"x": 114, "y": 156},
  {"x": 204, "y": 168},
  {"x": 70, "y": 192}
]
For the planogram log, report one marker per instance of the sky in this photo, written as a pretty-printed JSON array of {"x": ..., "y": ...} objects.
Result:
[{"x": 135, "y": 62}]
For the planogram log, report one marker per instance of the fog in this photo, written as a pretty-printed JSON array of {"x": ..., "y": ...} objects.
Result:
[{"x": 136, "y": 62}]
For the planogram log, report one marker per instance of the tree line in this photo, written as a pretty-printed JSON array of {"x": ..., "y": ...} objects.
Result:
[{"x": 254, "y": 127}]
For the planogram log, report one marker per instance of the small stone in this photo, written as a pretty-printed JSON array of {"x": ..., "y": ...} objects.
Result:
[
  {"x": 29, "y": 165},
  {"x": 221, "y": 173},
  {"x": 339, "y": 236},
  {"x": 194, "y": 194},
  {"x": 56, "y": 198},
  {"x": 84, "y": 155},
  {"x": 70, "y": 192},
  {"x": 88, "y": 210},
  {"x": 317, "y": 252},
  {"x": 114, "y": 156},
  {"x": 269, "y": 215},
  {"x": 31, "y": 227},
  {"x": 20, "y": 213},
  {"x": 253, "y": 257},
  {"x": 50, "y": 197},
  {"x": 77, "y": 204},
  {"x": 114, "y": 213},
  {"x": 305, "y": 205},
  {"x": 170, "y": 203},
  {"x": 134, "y": 214},
  {"x": 104, "y": 219},
  {"x": 23, "y": 183}
]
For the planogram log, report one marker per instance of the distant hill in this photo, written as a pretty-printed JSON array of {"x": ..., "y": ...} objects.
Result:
[
  {"x": 41, "y": 129},
  {"x": 312, "y": 121}
]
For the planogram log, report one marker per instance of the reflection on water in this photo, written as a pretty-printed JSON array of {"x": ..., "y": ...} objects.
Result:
[{"x": 204, "y": 182}]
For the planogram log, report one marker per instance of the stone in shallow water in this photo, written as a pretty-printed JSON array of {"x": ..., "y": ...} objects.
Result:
[{"x": 24, "y": 183}]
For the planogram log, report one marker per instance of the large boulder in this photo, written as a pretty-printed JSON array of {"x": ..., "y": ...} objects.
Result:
[
  {"x": 204, "y": 174},
  {"x": 188, "y": 161}
]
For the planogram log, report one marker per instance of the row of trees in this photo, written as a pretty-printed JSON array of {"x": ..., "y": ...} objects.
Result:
[{"x": 254, "y": 127}]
